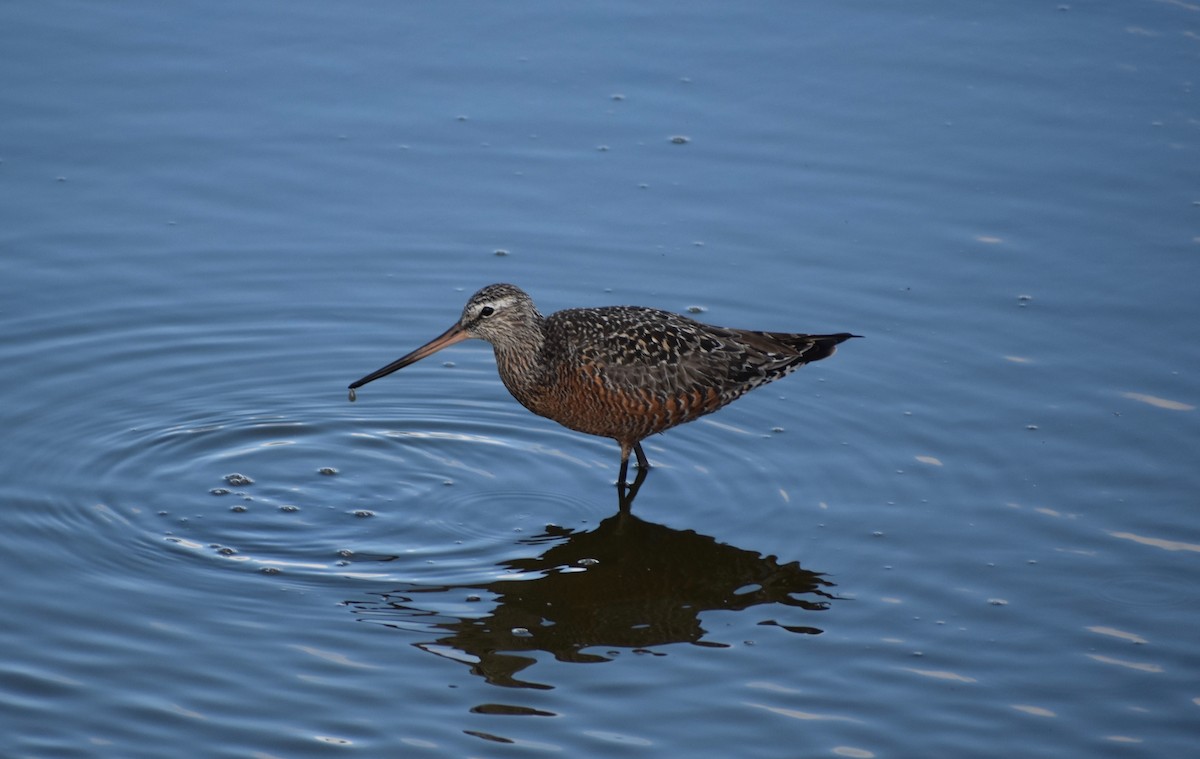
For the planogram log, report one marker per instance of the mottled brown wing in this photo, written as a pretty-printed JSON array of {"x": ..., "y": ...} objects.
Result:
[{"x": 689, "y": 367}]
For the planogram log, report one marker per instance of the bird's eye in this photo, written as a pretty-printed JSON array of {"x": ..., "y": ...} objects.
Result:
[{"x": 487, "y": 311}]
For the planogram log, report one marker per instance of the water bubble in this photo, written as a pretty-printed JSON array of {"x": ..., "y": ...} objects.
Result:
[
  {"x": 364, "y": 513},
  {"x": 238, "y": 480},
  {"x": 220, "y": 491},
  {"x": 327, "y": 470}
]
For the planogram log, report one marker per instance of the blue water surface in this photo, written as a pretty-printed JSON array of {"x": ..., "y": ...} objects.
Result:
[{"x": 973, "y": 532}]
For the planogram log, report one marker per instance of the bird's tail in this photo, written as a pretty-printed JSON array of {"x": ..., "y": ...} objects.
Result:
[{"x": 811, "y": 347}]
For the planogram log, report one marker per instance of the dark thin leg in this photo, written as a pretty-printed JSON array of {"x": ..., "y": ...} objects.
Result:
[
  {"x": 624, "y": 469},
  {"x": 626, "y": 491},
  {"x": 643, "y": 463}
]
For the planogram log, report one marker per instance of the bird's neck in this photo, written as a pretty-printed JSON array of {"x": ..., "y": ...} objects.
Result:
[{"x": 521, "y": 362}]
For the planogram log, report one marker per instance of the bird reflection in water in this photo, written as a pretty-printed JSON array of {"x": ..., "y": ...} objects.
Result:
[{"x": 628, "y": 584}]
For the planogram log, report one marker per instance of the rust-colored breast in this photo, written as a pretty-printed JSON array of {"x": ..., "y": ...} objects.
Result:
[{"x": 584, "y": 397}]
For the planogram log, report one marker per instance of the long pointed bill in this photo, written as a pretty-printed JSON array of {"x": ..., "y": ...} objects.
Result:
[{"x": 455, "y": 334}]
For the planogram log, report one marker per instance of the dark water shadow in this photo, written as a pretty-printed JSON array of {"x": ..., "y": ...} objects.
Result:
[{"x": 627, "y": 584}]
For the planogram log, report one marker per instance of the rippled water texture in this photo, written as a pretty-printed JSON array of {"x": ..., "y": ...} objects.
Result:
[{"x": 976, "y": 527}]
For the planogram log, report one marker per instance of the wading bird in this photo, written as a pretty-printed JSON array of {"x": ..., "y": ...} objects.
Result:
[{"x": 621, "y": 372}]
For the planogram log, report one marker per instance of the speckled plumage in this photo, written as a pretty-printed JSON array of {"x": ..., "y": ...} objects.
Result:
[{"x": 622, "y": 372}]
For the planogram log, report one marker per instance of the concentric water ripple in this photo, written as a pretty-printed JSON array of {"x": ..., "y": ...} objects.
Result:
[{"x": 343, "y": 495}]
